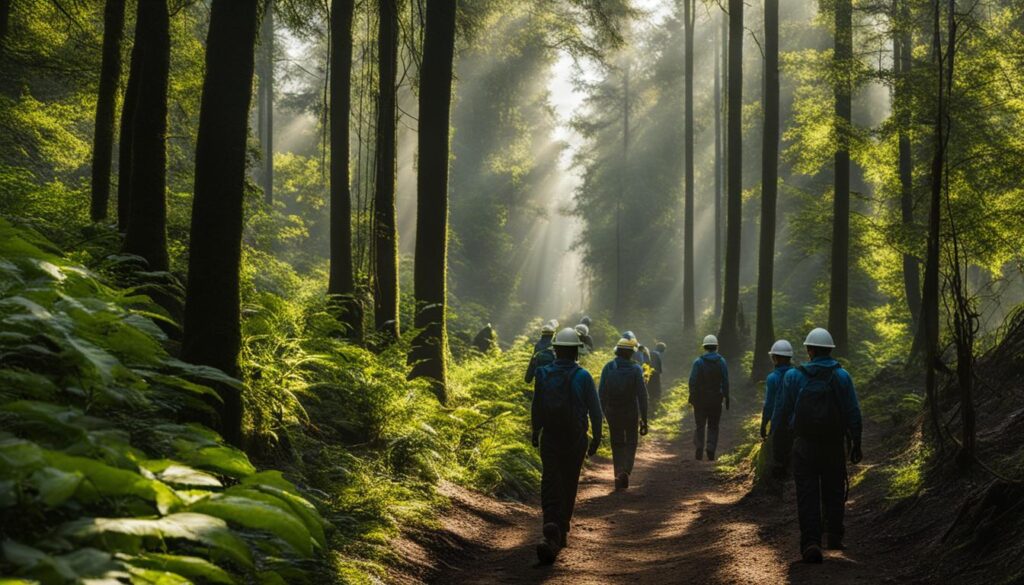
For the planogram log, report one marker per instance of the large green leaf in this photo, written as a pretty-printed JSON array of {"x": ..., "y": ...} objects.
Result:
[
  {"x": 105, "y": 480},
  {"x": 287, "y": 502},
  {"x": 133, "y": 533},
  {"x": 55, "y": 486},
  {"x": 174, "y": 473},
  {"x": 221, "y": 459},
  {"x": 259, "y": 515},
  {"x": 194, "y": 568}
]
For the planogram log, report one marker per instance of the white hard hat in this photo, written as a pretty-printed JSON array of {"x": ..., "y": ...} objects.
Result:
[
  {"x": 781, "y": 347},
  {"x": 819, "y": 338},
  {"x": 567, "y": 338},
  {"x": 548, "y": 328},
  {"x": 553, "y": 323},
  {"x": 582, "y": 329},
  {"x": 710, "y": 340}
]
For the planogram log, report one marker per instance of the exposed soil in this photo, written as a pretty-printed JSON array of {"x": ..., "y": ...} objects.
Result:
[{"x": 679, "y": 522}]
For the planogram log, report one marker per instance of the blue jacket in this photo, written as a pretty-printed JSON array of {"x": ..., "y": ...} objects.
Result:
[
  {"x": 772, "y": 385},
  {"x": 543, "y": 343},
  {"x": 621, "y": 377},
  {"x": 710, "y": 356},
  {"x": 550, "y": 378},
  {"x": 539, "y": 359},
  {"x": 793, "y": 384}
]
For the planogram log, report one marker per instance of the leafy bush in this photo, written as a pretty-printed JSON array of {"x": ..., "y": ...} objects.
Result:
[{"x": 100, "y": 478}]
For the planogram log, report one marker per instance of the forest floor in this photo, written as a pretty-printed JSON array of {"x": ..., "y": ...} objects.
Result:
[{"x": 681, "y": 521}]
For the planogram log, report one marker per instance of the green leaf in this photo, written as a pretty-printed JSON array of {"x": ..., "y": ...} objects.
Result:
[
  {"x": 55, "y": 486},
  {"x": 19, "y": 454},
  {"x": 174, "y": 473},
  {"x": 193, "y": 568},
  {"x": 287, "y": 502},
  {"x": 113, "y": 481},
  {"x": 221, "y": 459},
  {"x": 259, "y": 515},
  {"x": 202, "y": 528}
]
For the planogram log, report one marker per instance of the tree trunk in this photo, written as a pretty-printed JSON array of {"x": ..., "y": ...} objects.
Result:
[
  {"x": 765, "y": 333},
  {"x": 729, "y": 337},
  {"x": 124, "y": 146},
  {"x": 720, "y": 68},
  {"x": 385, "y": 229},
  {"x": 5, "y": 18},
  {"x": 689, "y": 318},
  {"x": 342, "y": 279},
  {"x": 212, "y": 322},
  {"x": 106, "y": 105},
  {"x": 620, "y": 276},
  {"x": 430, "y": 348},
  {"x": 902, "y": 63},
  {"x": 265, "y": 100},
  {"x": 839, "y": 291},
  {"x": 147, "y": 219}
]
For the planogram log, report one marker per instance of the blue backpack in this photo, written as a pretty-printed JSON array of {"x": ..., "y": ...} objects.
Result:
[
  {"x": 561, "y": 414},
  {"x": 817, "y": 414},
  {"x": 621, "y": 384}
]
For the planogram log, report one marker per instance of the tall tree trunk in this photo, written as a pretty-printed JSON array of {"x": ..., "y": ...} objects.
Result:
[
  {"x": 839, "y": 291},
  {"x": 729, "y": 336},
  {"x": 929, "y": 322},
  {"x": 212, "y": 334},
  {"x": 5, "y": 18},
  {"x": 720, "y": 68},
  {"x": 147, "y": 219},
  {"x": 902, "y": 62},
  {"x": 124, "y": 145},
  {"x": 430, "y": 348},
  {"x": 620, "y": 209},
  {"x": 765, "y": 333},
  {"x": 265, "y": 99},
  {"x": 106, "y": 105},
  {"x": 385, "y": 229},
  {"x": 689, "y": 318},
  {"x": 342, "y": 279}
]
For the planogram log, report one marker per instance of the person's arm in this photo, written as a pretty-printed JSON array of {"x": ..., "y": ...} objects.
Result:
[
  {"x": 593, "y": 410},
  {"x": 785, "y": 400},
  {"x": 531, "y": 370},
  {"x": 770, "y": 389},
  {"x": 694, "y": 373},
  {"x": 602, "y": 392},
  {"x": 851, "y": 409},
  {"x": 642, "y": 396},
  {"x": 536, "y": 414},
  {"x": 725, "y": 380}
]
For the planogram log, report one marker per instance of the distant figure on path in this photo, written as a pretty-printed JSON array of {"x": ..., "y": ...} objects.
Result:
[
  {"x": 624, "y": 402},
  {"x": 547, "y": 331},
  {"x": 564, "y": 398},
  {"x": 709, "y": 386},
  {"x": 583, "y": 330},
  {"x": 486, "y": 339},
  {"x": 819, "y": 405},
  {"x": 657, "y": 369},
  {"x": 543, "y": 354}
]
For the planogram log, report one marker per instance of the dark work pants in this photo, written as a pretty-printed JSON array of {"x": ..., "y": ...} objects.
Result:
[
  {"x": 654, "y": 389},
  {"x": 706, "y": 416},
  {"x": 560, "y": 480},
  {"x": 624, "y": 430},
  {"x": 819, "y": 469}
]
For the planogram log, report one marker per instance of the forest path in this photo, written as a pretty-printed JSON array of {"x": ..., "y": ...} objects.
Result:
[{"x": 679, "y": 522}]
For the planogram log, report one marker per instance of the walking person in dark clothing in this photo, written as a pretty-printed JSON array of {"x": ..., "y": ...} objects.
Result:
[
  {"x": 709, "y": 386},
  {"x": 624, "y": 402},
  {"x": 543, "y": 353},
  {"x": 818, "y": 403},
  {"x": 564, "y": 401},
  {"x": 486, "y": 339},
  {"x": 657, "y": 369}
]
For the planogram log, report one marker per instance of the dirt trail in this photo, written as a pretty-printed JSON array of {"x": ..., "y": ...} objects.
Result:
[{"x": 679, "y": 522}]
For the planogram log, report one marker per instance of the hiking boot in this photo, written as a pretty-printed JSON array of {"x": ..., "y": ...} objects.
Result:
[
  {"x": 547, "y": 551},
  {"x": 812, "y": 554},
  {"x": 835, "y": 543},
  {"x": 700, "y": 455},
  {"x": 625, "y": 481},
  {"x": 711, "y": 455}
]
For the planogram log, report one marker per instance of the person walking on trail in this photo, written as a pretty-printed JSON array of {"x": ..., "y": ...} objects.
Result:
[
  {"x": 547, "y": 332},
  {"x": 564, "y": 401},
  {"x": 623, "y": 397},
  {"x": 588, "y": 343},
  {"x": 641, "y": 355},
  {"x": 709, "y": 386},
  {"x": 657, "y": 369},
  {"x": 782, "y": 356},
  {"x": 818, "y": 403},
  {"x": 543, "y": 353}
]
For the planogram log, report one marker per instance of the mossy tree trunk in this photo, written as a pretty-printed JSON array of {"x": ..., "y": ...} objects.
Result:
[
  {"x": 689, "y": 311},
  {"x": 839, "y": 290},
  {"x": 385, "y": 228},
  {"x": 729, "y": 335},
  {"x": 124, "y": 145},
  {"x": 106, "y": 107}
]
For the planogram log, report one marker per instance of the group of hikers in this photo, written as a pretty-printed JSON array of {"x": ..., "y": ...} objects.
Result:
[{"x": 811, "y": 415}]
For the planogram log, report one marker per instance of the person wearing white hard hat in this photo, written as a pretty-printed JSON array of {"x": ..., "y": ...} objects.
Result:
[
  {"x": 657, "y": 369},
  {"x": 564, "y": 402},
  {"x": 583, "y": 330},
  {"x": 543, "y": 353},
  {"x": 547, "y": 332},
  {"x": 782, "y": 356},
  {"x": 819, "y": 406},
  {"x": 623, "y": 397},
  {"x": 709, "y": 386}
]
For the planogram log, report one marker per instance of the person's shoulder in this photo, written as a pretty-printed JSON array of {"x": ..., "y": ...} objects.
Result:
[{"x": 844, "y": 375}]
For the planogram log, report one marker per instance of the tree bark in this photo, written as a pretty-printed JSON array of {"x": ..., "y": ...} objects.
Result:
[
  {"x": 342, "y": 279},
  {"x": 124, "y": 146},
  {"x": 839, "y": 291},
  {"x": 765, "y": 333},
  {"x": 147, "y": 218},
  {"x": 5, "y": 19},
  {"x": 689, "y": 318},
  {"x": 212, "y": 322},
  {"x": 902, "y": 62},
  {"x": 620, "y": 209},
  {"x": 265, "y": 99},
  {"x": 729, "y": 336},
  {"x": 106, "y": 106},
  {"x": 720, "y": 68},
  {"x": 385, "y": 229},
  {"x": 430, "y": 348}
]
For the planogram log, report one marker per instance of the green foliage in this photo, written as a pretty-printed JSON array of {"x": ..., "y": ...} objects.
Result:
[{"x": 98, "y": 478}]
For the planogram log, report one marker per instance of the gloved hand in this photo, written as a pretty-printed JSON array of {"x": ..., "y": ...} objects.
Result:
[
  {"x": 535, "y": 439},
  {"x": 764, "y": 430},
  {"x": 594, "y": 444},
  {"x": 643, "y": 428},
  {"x": 855, "y": 454},
  {"x": 727, "y": 403}
]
